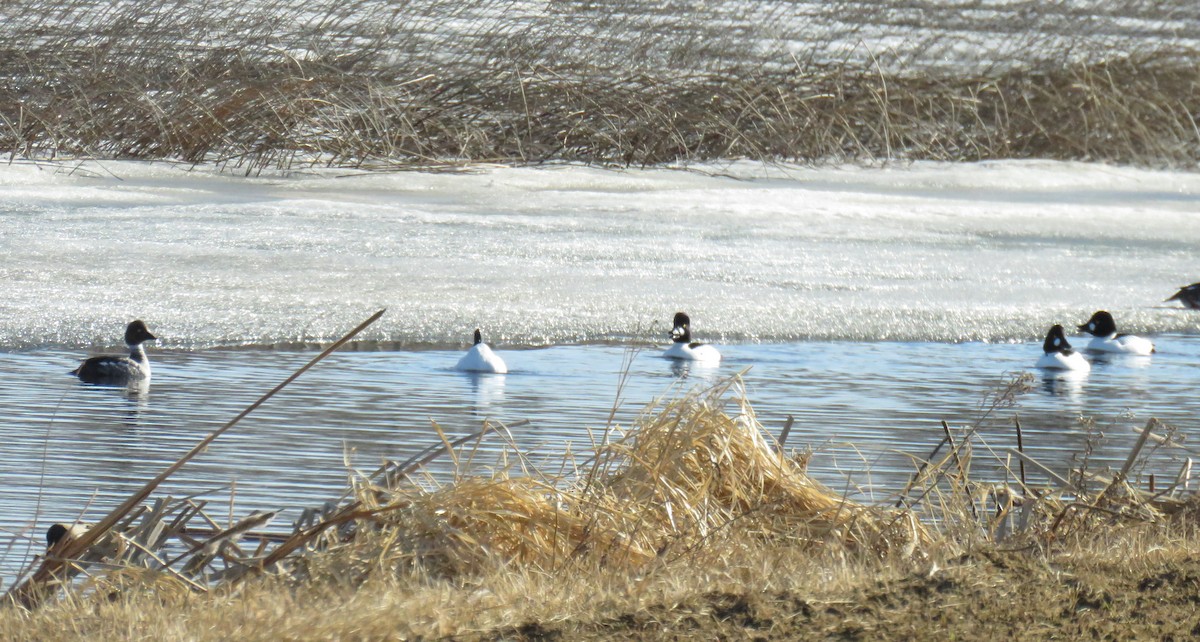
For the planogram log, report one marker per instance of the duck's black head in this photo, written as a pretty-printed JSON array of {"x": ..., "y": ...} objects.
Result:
[
  {"x": 55, "y": 533},
  {"x": 137, "y": 333},
  {"x": 478, "y": 336},
  {"x": 1100, "y": 325},
  {"x": 681, "y": 331},
  {"x": 1056, "y": 341}
]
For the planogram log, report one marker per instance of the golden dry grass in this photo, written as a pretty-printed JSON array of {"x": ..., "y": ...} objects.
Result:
[
  {"x": 690, "y": 476},
  {"x": 1138, "y": 582},
  {"x": 272, "y": 84}
]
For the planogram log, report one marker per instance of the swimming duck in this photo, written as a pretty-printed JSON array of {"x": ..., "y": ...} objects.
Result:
[
  {"x": 1105, "y": 338},
  {"x": 684, "y": 348},
  {"x": 1059, "y": 355},
  {"x": 113, "y": 370},
  {"x": 480, "y": 358},
  {"x": 1188, "y": 295}
]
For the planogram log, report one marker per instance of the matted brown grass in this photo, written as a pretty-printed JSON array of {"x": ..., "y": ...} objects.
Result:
[
  {"x": 270, "y": 84},
  {"x": 1134, "y": 584}
]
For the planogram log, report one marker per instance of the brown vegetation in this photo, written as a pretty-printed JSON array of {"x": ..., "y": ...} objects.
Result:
[
  {"x": 693, "y": 523},
  {"x": 257, "y": 85}
]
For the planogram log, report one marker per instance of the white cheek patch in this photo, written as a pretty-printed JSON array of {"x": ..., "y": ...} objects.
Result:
[
  {"x": 1091, "y": 326},
  {"x": 1057, "y": 342}
]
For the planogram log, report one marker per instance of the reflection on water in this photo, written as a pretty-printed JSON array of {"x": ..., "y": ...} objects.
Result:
[
  {"x": 699, "y": 371},
  {"x": 1066, "y": 384},
  {"x": 866, "y": 408},
  {"x": 487, "y": 391}
]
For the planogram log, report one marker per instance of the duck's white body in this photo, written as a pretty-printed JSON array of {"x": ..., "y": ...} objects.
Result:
[
  {"x": 1059, "y": 361},
  {"x": 1123, "y": 344},
  {"x": 480, "y": 358},
  {"x": 693, "y": 352}
]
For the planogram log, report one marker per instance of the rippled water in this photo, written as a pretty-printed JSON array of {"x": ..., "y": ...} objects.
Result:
[{"x": 865, "y": 408}]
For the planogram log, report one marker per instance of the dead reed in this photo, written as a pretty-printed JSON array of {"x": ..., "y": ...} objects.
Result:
[{"x": 276, "y": 85}]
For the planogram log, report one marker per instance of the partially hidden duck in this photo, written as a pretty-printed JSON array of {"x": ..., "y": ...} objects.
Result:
[{"x": 1188, "y": 295}]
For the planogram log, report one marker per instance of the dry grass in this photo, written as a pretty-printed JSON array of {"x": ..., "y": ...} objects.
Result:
[
  {"x": 270, "y": 84},
  {"x": 691, "y": 523},
  {"x": 1134, "y": 584}
]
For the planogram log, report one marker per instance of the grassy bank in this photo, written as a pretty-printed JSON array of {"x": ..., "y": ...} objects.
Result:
[
  {"x": 1134, "y": 585},
  {"x": 694, "y": 522},
  {"x": 259, "y": 85}
]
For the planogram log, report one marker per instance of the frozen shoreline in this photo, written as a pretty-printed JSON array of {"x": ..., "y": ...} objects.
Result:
[{"x": 568, "y": 254}]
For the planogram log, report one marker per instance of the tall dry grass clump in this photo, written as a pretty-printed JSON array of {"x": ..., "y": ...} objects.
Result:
[
  {"x": 690, "y": 476},
  {"x": 435, "y": 83}
]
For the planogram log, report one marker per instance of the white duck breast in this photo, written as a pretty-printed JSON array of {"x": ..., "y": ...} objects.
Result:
[
  {"x": 480, "y": 358},
  {"x": 682, "y": 346},
  {"x": 1058, "y": 354}
]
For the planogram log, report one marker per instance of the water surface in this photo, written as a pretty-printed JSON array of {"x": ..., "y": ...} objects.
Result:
[{"x": 866, "y": 409}]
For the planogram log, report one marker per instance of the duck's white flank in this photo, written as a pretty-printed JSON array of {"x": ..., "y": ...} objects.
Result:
[
  {"x": 1123, "y": 344},
  {"x": 1059, "y": 361}
]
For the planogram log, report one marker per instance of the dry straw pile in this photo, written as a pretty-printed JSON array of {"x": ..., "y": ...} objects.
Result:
[{"x": 690, "y": 475}]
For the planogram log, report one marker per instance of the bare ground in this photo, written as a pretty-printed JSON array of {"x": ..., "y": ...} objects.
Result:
[{"x": 984, "y": 596}]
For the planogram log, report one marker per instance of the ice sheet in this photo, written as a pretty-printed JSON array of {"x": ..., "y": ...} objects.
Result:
[{"x": 568, "y": 254}]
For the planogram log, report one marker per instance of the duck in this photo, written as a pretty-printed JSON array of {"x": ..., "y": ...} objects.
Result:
[
  {"x": 114, "y": 370},
  {"x": 64, "y": 533},
  {"x": 480, "y": 358},
  {"x": 1188, "y": 295},
  {"x": 1059, "y": 355},
  {"x": 682, "y": 346},
  {"x": 1105, "y": 338}
]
